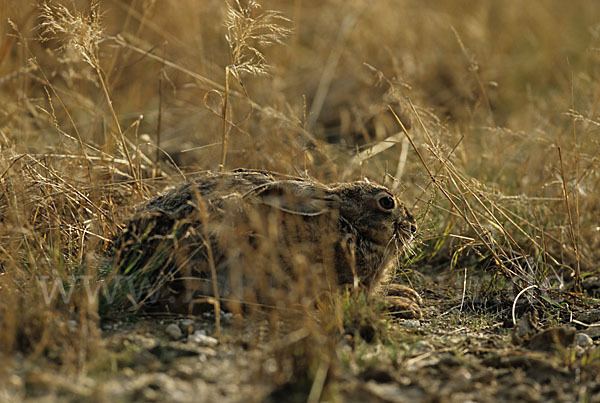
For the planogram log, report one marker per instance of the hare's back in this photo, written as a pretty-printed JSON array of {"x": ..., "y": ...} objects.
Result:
[{"x": 211, "y": 187}]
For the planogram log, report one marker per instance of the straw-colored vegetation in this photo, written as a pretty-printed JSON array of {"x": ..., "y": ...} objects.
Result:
[{"x": 483, "y": 115}]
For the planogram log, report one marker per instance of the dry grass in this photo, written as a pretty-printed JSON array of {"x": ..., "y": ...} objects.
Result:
[{"x": 491, "y": 111}]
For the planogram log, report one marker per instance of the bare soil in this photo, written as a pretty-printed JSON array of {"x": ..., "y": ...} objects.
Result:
[{"x": 457, "y": 352}]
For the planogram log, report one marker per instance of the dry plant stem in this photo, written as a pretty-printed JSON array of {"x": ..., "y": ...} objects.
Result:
[
  {"x": 116, "y": 121},
  {"x": 464, "y": 291},
  {"x": 480, "y": 199},
  {"x": 576, "y": 229},
  {"x": 319, "y": 382},
  {"x": 474, "y": 70},
  {"x": 215, "y": 286},
  {"x": 464, "y": 186},
  {"x": 158, "y": 125},
  {"x": 455, "y": 175},
  {"x": 203, "y": 211},
  {"x": 505, "y": 212},
  {"x": 79, "y": 139},
  {"x": 13, "y": 162},
  {"x": 514, "y": 305},
  {"x": 133, "y": 145},
  {"x": 437, "y": 172},
  {"x": 10, "y": 40},
  {"x": 209, "y": 84},
  {"x": 138, "y": 152},
  {"x": 591, "y": 121},
  {"x": 379, "y": 147},
  {"x": 401, "y": 163},
  {"x": 179, "y": 171},
  {"x": 225, "y": 127},
  {"x": 62, "y": 104},
  {"x": 571, "y": 231},
  {"x": 73, "y": 189},
  {"x": 437, "y": 184},
  {"x": 488, "y": 241}
]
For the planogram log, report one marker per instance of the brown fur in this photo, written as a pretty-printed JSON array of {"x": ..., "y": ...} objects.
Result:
[{"x": 261, "y": 232}]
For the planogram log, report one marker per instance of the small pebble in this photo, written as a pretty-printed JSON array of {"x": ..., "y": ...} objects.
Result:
[
  {"x": 584, "y": 340},
  {"x": 411, "y": 323},
  {"x": 200, "y": 338},
  {"x": 186, "y": 322},
  {"x": 173, "y": 331},
  {"x": 14, "y": 381},
  {"x": 187, "y": 325}
]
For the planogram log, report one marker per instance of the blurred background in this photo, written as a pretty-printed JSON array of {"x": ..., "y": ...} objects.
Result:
[{"x": 502, "y": 76}]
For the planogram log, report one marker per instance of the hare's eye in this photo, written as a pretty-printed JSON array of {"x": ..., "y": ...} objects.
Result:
[{"x": 387, "y": 203}]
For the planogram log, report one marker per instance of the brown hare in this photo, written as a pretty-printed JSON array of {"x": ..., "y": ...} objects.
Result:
[{"x": 251, "y": 236}]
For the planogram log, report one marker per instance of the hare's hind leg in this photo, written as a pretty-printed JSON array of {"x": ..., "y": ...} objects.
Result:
[{"x": 403, "y": 301}]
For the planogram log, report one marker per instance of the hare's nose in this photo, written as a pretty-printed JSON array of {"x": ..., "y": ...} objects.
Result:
[{"x": 412, "y": 226}]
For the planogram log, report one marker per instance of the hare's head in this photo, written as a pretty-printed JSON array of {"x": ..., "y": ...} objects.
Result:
[
  {"x": 377, "y": 225},
  {"x": 375, "y": 213},
  {"x": 370, "y": 212}
]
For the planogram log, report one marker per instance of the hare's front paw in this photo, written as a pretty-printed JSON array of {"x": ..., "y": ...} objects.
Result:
[{"x": 403, "y": 302}]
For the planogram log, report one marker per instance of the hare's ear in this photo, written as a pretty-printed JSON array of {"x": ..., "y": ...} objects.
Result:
[{"x": 295, "y": 197}]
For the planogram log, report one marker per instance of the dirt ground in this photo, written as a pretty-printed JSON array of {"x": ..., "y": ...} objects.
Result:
[{"x": 449, "y": 355}]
